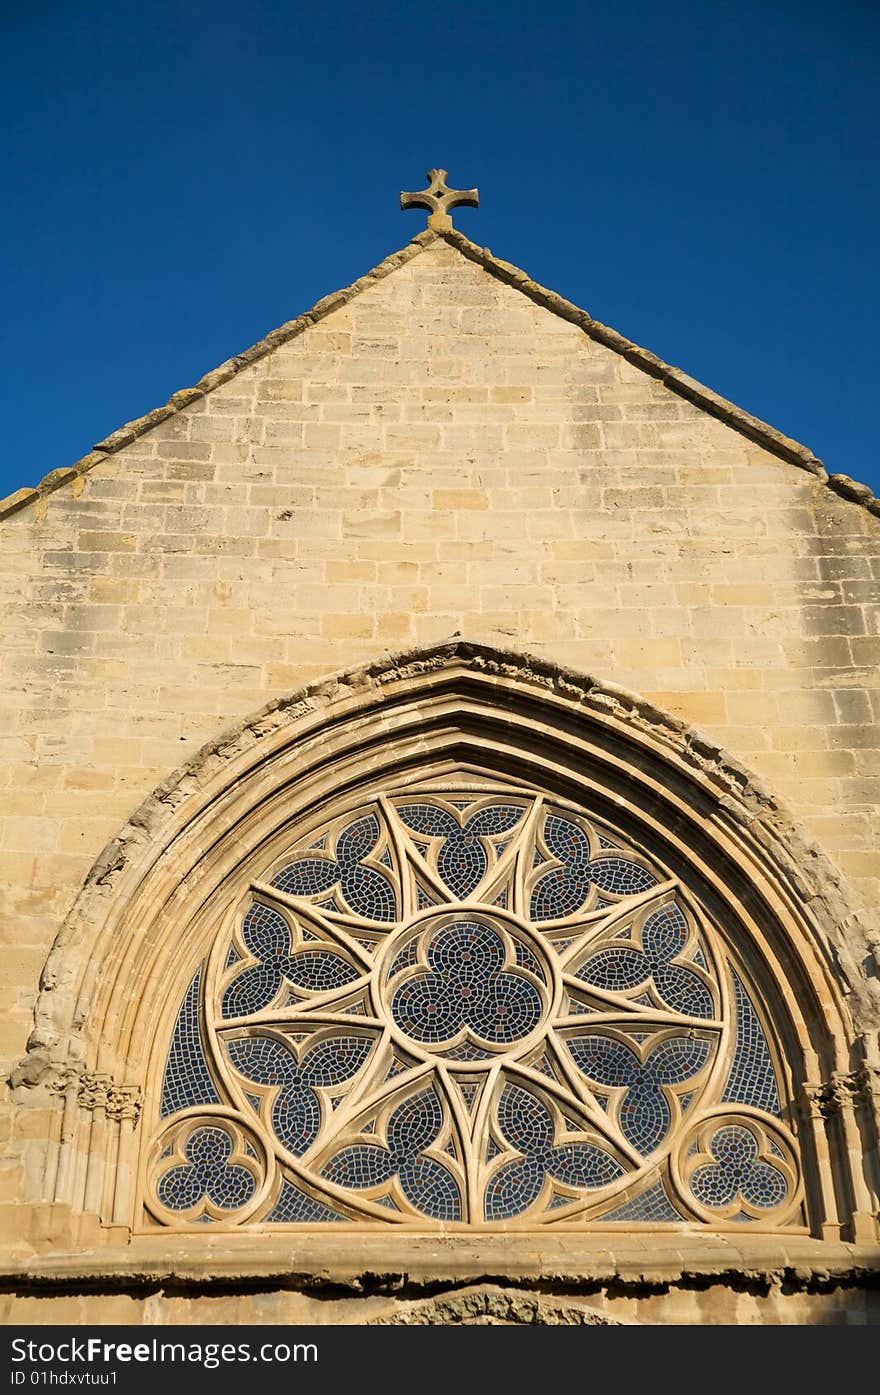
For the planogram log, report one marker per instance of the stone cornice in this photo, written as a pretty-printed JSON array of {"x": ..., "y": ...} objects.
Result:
[
  {"x": 581, "y": 1265},
  {"x": 673, "y": 378}
]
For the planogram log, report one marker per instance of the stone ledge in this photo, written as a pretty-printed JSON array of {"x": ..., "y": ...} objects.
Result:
[{"x": 637, "y": 1261}]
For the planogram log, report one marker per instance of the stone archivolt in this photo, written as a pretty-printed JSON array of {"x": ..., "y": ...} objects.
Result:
[{"x": 482, "y": 728}]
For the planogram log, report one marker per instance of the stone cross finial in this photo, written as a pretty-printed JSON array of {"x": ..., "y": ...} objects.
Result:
[{"x": 439, "y": 200}]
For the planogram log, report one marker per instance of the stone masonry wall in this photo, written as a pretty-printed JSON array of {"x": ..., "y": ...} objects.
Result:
[{"x": 438, "y": 455}]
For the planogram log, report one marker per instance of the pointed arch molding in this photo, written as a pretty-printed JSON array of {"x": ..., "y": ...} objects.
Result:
[{"x": 140, "y": 925}]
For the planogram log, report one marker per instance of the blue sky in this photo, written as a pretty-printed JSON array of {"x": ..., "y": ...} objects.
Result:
[{"x": 178, "y": 179}]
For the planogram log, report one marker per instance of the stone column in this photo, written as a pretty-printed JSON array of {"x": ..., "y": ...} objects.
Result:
[
  {"x": 816, "y": 1108},
  {"x": 848, "y": 1093},
  {"x": 96, "y": 1154},
  {"x": 93, "y": 1094},
  {"x": 124, "y": 1109}
]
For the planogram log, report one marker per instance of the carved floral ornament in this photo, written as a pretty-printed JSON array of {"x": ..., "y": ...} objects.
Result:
[
  {"x": 466, "y": 1005},
  {"x": 95, "y": 1090}
]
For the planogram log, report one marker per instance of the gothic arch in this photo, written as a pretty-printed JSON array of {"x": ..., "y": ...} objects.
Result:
[{"x": 149, "y": 912}]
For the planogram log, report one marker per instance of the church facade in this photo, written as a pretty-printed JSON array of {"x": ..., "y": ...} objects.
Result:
[{"x": 440, "y": 789}]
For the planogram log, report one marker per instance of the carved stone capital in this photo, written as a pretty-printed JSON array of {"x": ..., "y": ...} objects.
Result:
[
  {"x": 866, "y": 1088},
  {"x": 61, "y": 1079},
  {"x": 98, "y": 1090},
  {"x": 124, "y": 1102},
  {"x": 93, "y": 1090},
  {"x": 847, "y": 1087},
  {"x": 844, "y": 1090},
  {"x": 818, "y": 1100}
]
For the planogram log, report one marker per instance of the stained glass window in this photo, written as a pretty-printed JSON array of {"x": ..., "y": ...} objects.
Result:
[{"x": 471, "y": 1008}]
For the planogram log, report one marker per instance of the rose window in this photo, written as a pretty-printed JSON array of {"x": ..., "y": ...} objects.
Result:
[{"x": 471, "y": 1007}]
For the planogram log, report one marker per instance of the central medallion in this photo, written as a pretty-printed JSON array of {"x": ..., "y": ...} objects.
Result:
[{"x": 465, "y": 985}]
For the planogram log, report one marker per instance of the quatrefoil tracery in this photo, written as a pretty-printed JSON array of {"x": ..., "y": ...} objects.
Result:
[{"x": 500, "y": 974}]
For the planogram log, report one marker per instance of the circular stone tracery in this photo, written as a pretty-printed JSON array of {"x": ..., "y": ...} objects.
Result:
[
  {"x": 479, "y": 1009},
  {"x": 452, "y": 982}
]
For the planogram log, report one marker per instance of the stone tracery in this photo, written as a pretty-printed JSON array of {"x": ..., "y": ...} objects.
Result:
[{"x": 451, "y": 1006}]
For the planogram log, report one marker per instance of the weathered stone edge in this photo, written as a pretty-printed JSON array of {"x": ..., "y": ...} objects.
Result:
[
  {"x": 215, "y": 378},
  {"x": 673, "y": 378},
  {"x": 677, "y": 381},
  {"x": 860, "y": 1269}
]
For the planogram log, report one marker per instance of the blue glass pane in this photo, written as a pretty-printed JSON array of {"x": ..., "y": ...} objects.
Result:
[
  {"x": 621, "y": 967},
  {"x": 319, "y": 970},
  {"x": 294, "y": 1205},
  {"x": 563, "y": 890},
  {"x": 527, "y": 960},
  {"x": 265, "y": 932},
  {"x": 367, "y": 891},
  {"x": 461, "y": 858},
  {"x": 428, "y": 820},
  {"x": 466, "y": 986},
  {"x": 527, "y": 1125},
  {"x": 525, "y": 1121},
  {"x": 431, "y": 1188},
  {"x": 187, "y": 1078},
  {"x": 426, "y": 1183},
  {"x": 665, "y": 933},
  {"x": 357, "y": 841},
  {"x": 621, "y": 876},
  {"x": 498, "y": 818},
  {"x": 462, "y": 863},
  {"x": 644, "y": 1112},
  {"x": 682, "y": 991},
  {"x": 616, "y": 969},
  {"x": 361, "y": 1165},
  {"x": 513, "y": 1189},
  {"x": 267, "y": 936},
  {"x": 415, "y": 1124},
  {"x": 334, "y": 1060},
  {"x": 752, "y": 1079},
  {"x": 407, "y": 956},
  {"x": 308, "y": 876},
  {"x": 253, "y": 990},
  {"x": 296, "y": 1110},
  {"x": 206, "y": 1173},
  {"x": 737, "y": 1172},
  {"x": 650, "y": 1206}
]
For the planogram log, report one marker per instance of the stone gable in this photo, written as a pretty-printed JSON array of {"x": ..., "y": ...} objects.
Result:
[{"x": 437, "y": 454}]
